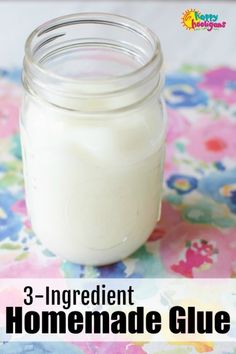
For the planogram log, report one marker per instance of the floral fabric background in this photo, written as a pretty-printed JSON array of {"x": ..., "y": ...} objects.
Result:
[{"x": 196, "y": 237}]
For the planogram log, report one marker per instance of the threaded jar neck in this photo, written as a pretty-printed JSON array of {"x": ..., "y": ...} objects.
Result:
[{"x": 92, "y": 62}]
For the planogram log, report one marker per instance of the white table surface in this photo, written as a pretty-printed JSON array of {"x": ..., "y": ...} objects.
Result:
[{"x": 19, "y": 18}]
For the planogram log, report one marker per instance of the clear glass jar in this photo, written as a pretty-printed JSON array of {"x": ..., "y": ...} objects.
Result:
[{"x": 93, "y": 134}]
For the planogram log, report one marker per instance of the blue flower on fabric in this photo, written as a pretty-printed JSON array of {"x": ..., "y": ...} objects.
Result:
[
  {"x": 10, "y": 223},
  {"x": 12, "y": 75},
  {"x": 16, "y": 147},
  {"x": 231, "y": 85},
  {"x": 221, "y": 187},
  {"x": 39, "y": 348},
  {"x": 182, "y": 184},
  {"x": 182, "y": 90},
  {"x": 2, "y": 168},
  {"x": 72, "y": 270},
  {"x": 116, "y": 270}
]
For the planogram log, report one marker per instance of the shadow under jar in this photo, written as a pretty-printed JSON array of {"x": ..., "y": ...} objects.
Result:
[{"x": 93, "y": 131}]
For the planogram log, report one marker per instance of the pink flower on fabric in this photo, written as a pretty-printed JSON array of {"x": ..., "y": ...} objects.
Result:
[
  {"x": 220, "y": 84},
  {"x": 196, "y": 251},
  {"x": 108, "y": 347},
  {"x": 9, "y": 115},
  {"x": 169, "y": 165},
  {"x": 212, "y": 141},
  {"x": 32, "y": 267},
  {"x": 20, "y": 208},
  {"x": 177, "y": 125},
  {"x": 169, "y": 216}
]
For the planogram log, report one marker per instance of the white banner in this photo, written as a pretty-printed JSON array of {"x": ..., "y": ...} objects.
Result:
[{"x": 173, "y": 310}]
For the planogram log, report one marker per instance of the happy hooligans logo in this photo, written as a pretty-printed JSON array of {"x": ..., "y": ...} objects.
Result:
[{"x": 194, "y": 20}]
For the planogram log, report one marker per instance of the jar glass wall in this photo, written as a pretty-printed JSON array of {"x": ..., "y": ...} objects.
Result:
[{"x": 93, "y": 133}]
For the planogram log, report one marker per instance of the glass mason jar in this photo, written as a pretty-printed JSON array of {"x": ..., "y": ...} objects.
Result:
[{"x": 93, "y": 133}]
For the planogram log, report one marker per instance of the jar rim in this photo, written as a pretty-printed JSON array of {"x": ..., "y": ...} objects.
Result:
[{"x": 102, "y": 18}]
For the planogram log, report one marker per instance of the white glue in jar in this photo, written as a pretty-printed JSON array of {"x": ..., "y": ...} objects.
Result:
[{"x": 93, "y": 133}]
